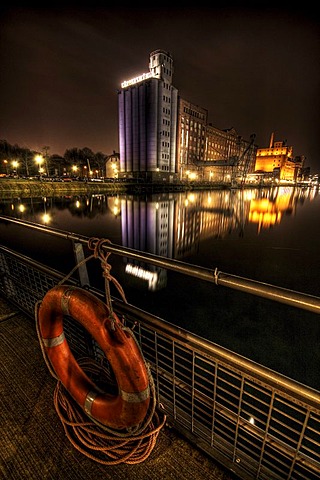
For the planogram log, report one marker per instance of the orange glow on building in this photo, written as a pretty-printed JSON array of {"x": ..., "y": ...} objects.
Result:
[{"x": 278, "y": 159}]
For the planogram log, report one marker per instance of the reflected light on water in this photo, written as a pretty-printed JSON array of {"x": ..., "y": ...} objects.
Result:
[
  {"x": 151, "y": 277},
  {"x": 46, "y": 218}
]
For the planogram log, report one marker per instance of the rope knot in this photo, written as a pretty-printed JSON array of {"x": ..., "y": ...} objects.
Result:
[
  {"x": 97, "y": 245},
  {"x": 106, "y": 269}
]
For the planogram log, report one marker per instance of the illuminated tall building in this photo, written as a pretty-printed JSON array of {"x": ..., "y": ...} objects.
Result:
[
  {"x": 148, "y": 121},
  {"x": 163, "y": 137}
]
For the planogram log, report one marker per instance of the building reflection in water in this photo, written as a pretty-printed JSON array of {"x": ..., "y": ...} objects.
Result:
[
  {"x": 269, "y": 210},
  {"x": 147, "y": 224},
  {"x": 170, "y": 225},
  {"x": 173, "y": 225}
]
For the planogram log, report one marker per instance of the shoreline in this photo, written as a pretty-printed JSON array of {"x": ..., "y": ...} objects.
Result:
[
  {"x": 33, "y": 188},
  {"x": 16, "y": 188}
]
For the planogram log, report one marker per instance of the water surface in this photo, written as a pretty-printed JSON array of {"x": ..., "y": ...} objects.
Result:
[{"x": 267, "y": 235}]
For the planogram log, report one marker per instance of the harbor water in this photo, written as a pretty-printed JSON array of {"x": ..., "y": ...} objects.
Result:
[{"x": 269, "y": 235}]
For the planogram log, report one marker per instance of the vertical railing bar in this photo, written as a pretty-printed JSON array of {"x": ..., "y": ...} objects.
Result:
[
  {"x": 297, "y": 450},
  {"x": 192, "y": 391},
  {"x": 214, "y": 399},
  {"x": 266, "y": 432},
  {"x": 174, "y": 380},
  {"x": 157, "y": 364},
  {"x": 237, "y": 423}
]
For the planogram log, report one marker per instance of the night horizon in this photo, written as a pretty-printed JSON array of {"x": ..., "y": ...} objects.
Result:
[{"x": 255, "y": 70}]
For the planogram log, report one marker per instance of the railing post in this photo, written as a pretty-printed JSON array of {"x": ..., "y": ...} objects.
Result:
[{"x": 79, "y": 256}]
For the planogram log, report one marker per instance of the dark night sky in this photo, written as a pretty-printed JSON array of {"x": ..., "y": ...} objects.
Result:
[{"x": 254, "y": 69}]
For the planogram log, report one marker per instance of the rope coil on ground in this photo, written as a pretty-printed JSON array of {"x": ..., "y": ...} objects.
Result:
[{"x": 102, "y": 444}]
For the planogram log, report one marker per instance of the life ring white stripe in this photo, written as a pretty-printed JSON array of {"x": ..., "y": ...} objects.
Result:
[
  {"x": 90, "y": 398},
  {"x": 54, "y": 342},
  {"x": 135, "y": 397}
]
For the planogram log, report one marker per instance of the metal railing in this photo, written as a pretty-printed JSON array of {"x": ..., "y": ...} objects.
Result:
[{"x": 259, "y": 424}]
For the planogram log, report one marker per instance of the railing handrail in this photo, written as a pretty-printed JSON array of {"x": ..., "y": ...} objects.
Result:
[
  {"x": 280, "y": 382},
  {"x": 287, "y": 296}
]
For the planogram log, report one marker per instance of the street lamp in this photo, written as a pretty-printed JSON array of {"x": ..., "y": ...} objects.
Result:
[
  {"x": 6, "y": 165},
  {"x": 15, "y": 165},
  {"x": 39, "y": 160}
]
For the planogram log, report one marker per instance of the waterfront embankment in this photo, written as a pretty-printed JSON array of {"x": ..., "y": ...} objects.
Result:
[
  {"x": 35, "y": 188},
  {"x": 24, "y": 188}
]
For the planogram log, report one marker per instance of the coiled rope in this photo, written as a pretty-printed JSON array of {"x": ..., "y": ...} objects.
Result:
[
  {"x": 98, "y": 442},
  {"x": 102, "y": 444}
]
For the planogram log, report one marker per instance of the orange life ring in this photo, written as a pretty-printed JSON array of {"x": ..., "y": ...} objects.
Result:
[{"x": 129, "y": 407}]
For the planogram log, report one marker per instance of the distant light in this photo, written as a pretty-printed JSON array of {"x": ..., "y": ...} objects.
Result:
[
  {"x": 251, "y": 420},
  {"x": 22, "y": 208},
  {"x": 38, "y": 159}
]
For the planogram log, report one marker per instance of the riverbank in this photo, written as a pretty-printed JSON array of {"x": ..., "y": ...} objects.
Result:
[
  {"x": 35, "y": 188},
  {"x": 13, "y": 188}
]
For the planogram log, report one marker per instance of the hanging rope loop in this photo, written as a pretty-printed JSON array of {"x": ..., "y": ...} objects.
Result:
[{"x": 99, "y": 252}]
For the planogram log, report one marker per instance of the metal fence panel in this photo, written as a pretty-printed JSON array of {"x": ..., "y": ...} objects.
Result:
[{"x": 252, "y": 426}]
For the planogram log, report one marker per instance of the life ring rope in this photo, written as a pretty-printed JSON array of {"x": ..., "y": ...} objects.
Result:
[
  {"x": 129, "y": 406},
  {"x": 97, "y": 244},
  {"x": 134, "y": 407}
]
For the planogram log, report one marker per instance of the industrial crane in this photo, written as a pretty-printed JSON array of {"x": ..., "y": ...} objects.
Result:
[{"x": 242, "y": 162}]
